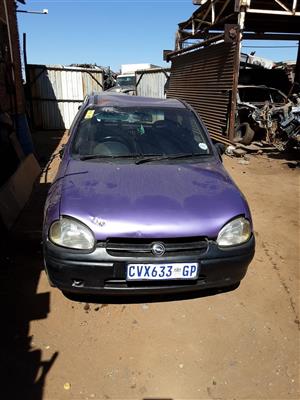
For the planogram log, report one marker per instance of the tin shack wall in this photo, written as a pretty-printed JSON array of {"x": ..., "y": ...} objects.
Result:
[
  {"x": 151, "y": 83},
  {"x": 204, "y": 78},
  {"x": 56, "y": 92}
]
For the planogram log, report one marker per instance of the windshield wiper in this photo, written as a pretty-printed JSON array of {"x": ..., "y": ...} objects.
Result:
[
  {"x": 99, "y": 156},
  {"x": 139, "y": 158},
  {"x": 169, "y": 157}
]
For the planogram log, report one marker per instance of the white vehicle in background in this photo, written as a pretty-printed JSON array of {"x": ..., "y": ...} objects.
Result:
[{"x": 126, "y": 80}]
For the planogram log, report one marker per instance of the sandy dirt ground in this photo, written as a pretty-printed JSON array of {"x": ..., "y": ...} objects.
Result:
[{"x": 238, "y": 345}]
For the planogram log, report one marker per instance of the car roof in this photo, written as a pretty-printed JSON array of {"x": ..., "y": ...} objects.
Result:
[
  {"x": 261, "y": 87},
  {"x": 256, "y": 87},
  {"x": 124, "y": 100}
]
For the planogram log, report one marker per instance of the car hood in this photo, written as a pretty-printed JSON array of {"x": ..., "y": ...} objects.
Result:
[
  {"x": 121, "y": 89},
  {"x": 150, "y": 200}
]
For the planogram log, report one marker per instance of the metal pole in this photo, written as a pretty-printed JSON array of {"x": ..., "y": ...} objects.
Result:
[
  {"x": 273, "y": 12},
  {"x": 297, "y": 71},
  {"x": 294, "y": 6},
  {"x": 45, "y": 11},
  {"x": 283, "y": 5},
  {"x": 213, "y": 14},
  {"x": 11, "y": 58},
  {"x": 241, "y": 26},
  {"x": 9, "y": 37},
  {"x": 27, "y": 85},
  {"x": 25, "y": 53},
  {"x": 236, "y": 67}
]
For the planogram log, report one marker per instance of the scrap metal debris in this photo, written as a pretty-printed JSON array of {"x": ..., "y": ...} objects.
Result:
[
  {"x": 266, "y": 114},
  {"x": 255, "y": 148}
]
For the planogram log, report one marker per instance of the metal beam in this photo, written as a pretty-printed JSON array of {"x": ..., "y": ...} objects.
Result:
[
  {"x": 222, "y": 10},
  {"x": 294, "y": 5},
  {"x": 213, "y": 13},
  {"x": 283, "y": 5},
  {"x": 246, "y": 35},
  {"x": 204, "y": 32},
  {"x": 237, "y": 5},
  {"x": 195, "y": 46},
  {"x": 273, "y": 12},
  {"x": 279, "y": 8},
  {"x": 270, "y": 36},
  {"x": 203, "y": 18}
]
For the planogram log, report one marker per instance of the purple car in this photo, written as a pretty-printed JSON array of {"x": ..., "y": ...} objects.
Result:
[{"x": 142, "y": 204}]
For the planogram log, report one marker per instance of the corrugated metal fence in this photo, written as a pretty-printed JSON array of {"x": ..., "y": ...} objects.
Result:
[
  {"x": 204, "y": 78},
  {"x": 151, "y": 83},
  {"x": 55, "y": 93}
]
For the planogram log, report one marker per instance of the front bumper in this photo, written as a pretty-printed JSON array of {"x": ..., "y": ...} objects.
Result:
[{"x": 100, "y": 273}]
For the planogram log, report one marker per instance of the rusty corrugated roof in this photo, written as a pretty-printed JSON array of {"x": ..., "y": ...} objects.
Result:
[{"x": 254, "y": 22}]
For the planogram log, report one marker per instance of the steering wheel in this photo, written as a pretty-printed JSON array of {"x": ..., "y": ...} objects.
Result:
[
  {"x": 118, "y": 139},
  {"x": 165, "y": 123}
]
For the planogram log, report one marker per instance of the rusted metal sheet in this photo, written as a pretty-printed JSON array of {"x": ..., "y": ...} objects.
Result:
[
  {"x": 55, "y": 92},
  {"x": 204, "y": 78},
  {"x": 151, "y": 83}
]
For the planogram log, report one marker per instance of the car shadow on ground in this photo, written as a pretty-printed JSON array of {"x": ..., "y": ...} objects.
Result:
[
  {"x": 45, "y": 145},
  {"x": 22, "y": 365}
]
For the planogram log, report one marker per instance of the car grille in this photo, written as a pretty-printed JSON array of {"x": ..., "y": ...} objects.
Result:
[{"x": 143, "y": 247}]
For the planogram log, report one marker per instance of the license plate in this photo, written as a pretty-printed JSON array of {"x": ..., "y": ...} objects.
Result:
[{"x": 144, "y": 272}]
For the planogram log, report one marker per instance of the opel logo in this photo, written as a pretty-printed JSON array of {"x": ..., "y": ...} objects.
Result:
[{"x": 158, "y": 249}]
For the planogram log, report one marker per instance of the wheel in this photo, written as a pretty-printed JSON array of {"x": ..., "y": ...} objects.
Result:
[{"x": 244, "y": 133}]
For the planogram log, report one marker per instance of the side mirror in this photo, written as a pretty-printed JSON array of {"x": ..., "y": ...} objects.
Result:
[
  {"x": 61, "y": 151},
  {"x": 220, "y": 147}
]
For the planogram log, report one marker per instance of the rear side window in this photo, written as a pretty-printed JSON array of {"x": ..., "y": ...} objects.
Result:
[
  {"x": 277, "y": 97},
  {"x": 254, "y": 95}
]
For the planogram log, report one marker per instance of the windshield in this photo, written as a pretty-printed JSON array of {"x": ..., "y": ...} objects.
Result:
[
  {"x": 126, "y": 80},
  {"x": 139, "y": 131}
]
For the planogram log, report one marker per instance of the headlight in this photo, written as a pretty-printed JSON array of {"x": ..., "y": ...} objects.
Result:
[
  {"x": 235, "y": 232},
  {"x": 68, "y": 232}
]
